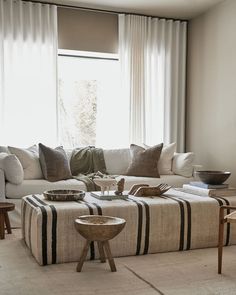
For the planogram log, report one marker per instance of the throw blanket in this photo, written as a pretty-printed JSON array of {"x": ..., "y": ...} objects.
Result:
[{"x": 85, "y": 164}]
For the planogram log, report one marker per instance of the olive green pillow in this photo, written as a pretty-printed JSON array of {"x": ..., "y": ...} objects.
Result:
[
  {"x": 144, "y": 161},
  {"x": 54, "y": 163}
]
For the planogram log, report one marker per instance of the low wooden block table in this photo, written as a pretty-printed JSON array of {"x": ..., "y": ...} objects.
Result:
[
  {"x": 4, "y": 219},
  {"x": 177, "y": 221}
]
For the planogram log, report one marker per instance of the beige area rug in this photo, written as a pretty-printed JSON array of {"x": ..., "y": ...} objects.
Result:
[{"x": 189, "y": 272}]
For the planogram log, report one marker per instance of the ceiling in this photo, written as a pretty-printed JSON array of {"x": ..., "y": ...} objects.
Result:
[{"x": 181, "y": 9}]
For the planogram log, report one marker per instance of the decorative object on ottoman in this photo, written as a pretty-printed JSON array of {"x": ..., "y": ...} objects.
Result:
[
  {"x": 4, "y": 219},
  {"x": 213, "y": 177},
  {"x": 105, "y": 183},
  {"x": 100, "y": 229},
  {"x": 231, "y": 217},
  {"x": 149, "y": 191},
  {"x": 120, "y": 187},
  {"x": 64, "y": 195}
]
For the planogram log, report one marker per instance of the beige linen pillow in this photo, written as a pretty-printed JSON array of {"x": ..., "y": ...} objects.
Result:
[
  {"x": 54, "y": 163},
  {"x": 165, "y": 161},
  {"x": 29, "y": 159},
  {"x": 183, "y": 164},
  {"x": 12, "y": 168},
  {"x": 144, "y": 161}
]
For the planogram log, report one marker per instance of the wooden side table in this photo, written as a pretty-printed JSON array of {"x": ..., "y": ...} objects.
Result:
[{"x": 4, "y": 219}]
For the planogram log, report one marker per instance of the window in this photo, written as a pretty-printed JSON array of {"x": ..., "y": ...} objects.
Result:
[{"x": 91, "y": 109}]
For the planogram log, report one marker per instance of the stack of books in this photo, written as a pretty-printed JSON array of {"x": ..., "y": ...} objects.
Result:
[{"x": 210, "y": 190}]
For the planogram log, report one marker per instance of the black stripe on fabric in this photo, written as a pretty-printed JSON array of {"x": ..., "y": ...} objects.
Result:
[
  {"x": 147, "y": 227},
  {"x": 92, "y": 249},
  {"x": 140, "y": 222},
  {"x": 32, "y": 202},
  {"x": 228, "y": 224},
  {"x": 189, "y": 220},
  {"x": 23, "y": 219},
  {"x": 98, "y": 208},
  {"x": 54, "y": 227},
  {"x": 182, "y": 222},
  {"x": 54, "y": 234},
  {"x": 29, "y": 229}
]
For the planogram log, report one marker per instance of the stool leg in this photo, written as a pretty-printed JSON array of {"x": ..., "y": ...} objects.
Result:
[
  {"x": 220, "y": 241},
  {"x": 83, "y": 256},
  {"x": 7, "y": 222},
  {"x": 109, "y": 256},
  {"x": 2, "y": 229},
  {"x": 101, "y": 252}
]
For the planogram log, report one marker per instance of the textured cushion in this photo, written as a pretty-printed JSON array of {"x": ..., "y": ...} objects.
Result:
[
  {"x": 117, "y": 161},
  {"x": 29, "y": 159},
  {"x": 12, "y": 167},
  {"x": 165, "y": 161},
  {"x": 54, "y": 163},
  {"x": 144, "y": 161},
  {"x": 183, "y": 164}
]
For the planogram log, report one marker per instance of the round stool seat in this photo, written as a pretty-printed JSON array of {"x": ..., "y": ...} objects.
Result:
[
  {"x": 4, "y": 219},
  {"x": 99, "y": 228},
  {"x": 5, "y": 206}
]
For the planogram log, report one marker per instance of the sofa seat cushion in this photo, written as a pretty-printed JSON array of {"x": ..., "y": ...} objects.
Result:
[
  {"x": 173, "y": 180},
  {"x": 38, "y": 186}
]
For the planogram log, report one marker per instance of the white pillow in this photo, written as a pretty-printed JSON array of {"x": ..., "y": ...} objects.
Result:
[
  {"x": 12, "y": 168},
  {"x": 165, "y": 161},
  {"x": 117, "y": 161},
  {"x": 29, "y": 159},
  {"x": 183, "y": 164}
]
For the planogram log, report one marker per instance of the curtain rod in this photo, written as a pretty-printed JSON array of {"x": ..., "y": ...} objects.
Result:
[{"x": 104, "y": 10}]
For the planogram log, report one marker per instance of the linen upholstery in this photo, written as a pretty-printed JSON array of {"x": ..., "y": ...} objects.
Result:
[
  {"x": 144, "y": 161},
  {"x": 12, "y": 168},
  {"x": 54, "y": 163},
  {"x": 29, "y": 159},
  {"x": 175, "y": 222}
]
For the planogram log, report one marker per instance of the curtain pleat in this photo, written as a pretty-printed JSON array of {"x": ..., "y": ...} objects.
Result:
[
  {"x": 153, "y": 59},
  {"x": 28, "y": 98}
]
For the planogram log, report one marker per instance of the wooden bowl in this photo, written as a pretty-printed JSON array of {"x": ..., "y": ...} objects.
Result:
[
  {"x": 213, "y": 177},
  {"x": 98, "y": 227},
  {"x": 64, "y": 195}
]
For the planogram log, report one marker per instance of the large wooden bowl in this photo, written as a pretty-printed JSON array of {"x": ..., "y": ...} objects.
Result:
[
  {"x": 99, "y": 228},
  {"x": 213, "y": 177}
]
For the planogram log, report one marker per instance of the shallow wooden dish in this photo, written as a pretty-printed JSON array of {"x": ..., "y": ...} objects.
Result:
[{"x": 64, "y": 195}]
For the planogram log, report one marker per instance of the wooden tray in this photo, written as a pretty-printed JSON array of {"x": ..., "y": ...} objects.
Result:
[{"x": 64, "y": 195}]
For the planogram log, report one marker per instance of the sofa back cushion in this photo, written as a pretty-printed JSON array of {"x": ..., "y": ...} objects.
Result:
[
  {"x": 29, "y": 159},
  {"x": 144, "y": 161},
  {"x": 183, "y": 164},
  {"x": 12, "y": 168},
  {"x": 117, "y": 160},
  {"x": 54, "y": 163}
]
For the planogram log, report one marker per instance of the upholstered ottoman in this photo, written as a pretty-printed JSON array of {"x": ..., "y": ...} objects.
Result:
[{"x": 174, "y": 222}]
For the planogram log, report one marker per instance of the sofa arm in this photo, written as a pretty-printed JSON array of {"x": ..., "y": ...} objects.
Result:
[{"x": 2, "y": 186}]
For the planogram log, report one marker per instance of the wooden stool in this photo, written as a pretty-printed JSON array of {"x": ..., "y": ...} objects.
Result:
[
  {"x": 100, "y": 229},
  {"x": 222, "y": 220},
  {"x": 4, "y": 219}
]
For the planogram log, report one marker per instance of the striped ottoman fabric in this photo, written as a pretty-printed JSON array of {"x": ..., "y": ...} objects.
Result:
[{"x": 177, "y": 221}]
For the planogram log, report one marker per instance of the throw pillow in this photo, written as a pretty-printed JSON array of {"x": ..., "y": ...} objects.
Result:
[
  {"x": 12, "y": 168},
  {"x": 4, "y": 149},
  {"x": 117, "y": 161},
  {"x": 144, "y": 161},
  {"x": 165, "y": 161},
  {"x": 183, "y": 164},
  {"x": 29, "y": 159},
  {"x": 54, "y": 163}
]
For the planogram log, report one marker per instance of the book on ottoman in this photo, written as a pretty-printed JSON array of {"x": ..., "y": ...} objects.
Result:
[
  {"x": 218, "y": 192},
  {"x": 208, "y": 186},
  {"x": 108, "y": 197}
]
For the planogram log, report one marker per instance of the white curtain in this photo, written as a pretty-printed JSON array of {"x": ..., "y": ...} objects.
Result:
[
  {"x": 153, "y": 62},
  {"x": 28, "y": 77}
]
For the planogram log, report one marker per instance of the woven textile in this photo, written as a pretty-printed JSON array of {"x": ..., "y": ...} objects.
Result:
[{"x": 176, "y": 221}]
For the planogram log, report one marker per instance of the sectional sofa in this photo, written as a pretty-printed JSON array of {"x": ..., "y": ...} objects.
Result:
[{"x": 20, "y": 173}]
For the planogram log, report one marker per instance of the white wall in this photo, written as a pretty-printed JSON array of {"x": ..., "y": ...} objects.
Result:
[{"x": 211, "y": 88}]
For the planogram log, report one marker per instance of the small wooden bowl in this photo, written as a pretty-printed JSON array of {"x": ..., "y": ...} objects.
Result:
[
  {"x": 64, "y": 195},
  {"x": 213, "y": 177}
]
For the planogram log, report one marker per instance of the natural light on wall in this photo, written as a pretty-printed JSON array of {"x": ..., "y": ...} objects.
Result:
[{"x": 91, "y": 109}]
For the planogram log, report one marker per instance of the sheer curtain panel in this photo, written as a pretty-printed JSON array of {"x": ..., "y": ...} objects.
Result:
[
  {"x": 153, "y": 61},
  {"x": 28, "y": 77}
]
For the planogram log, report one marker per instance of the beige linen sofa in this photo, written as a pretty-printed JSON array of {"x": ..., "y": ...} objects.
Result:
[{"x": 175, "y": 169}]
